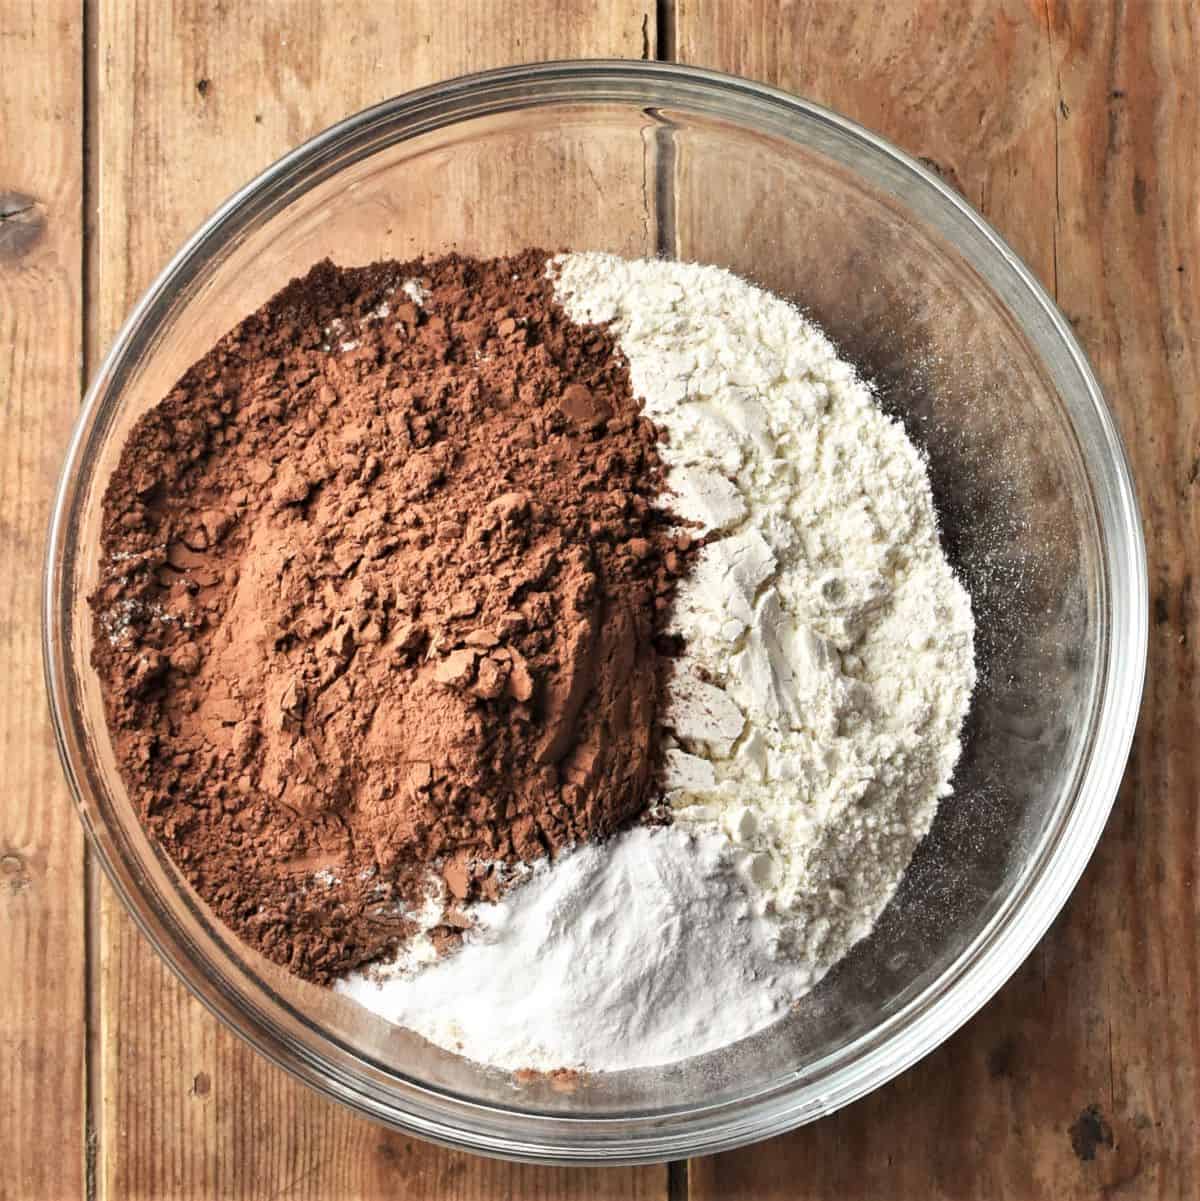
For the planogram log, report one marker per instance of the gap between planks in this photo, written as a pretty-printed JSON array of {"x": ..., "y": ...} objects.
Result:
[{"x": 89, "y": 360}]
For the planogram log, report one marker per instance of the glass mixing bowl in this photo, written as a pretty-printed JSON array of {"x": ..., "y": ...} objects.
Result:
[{"x": 1038, "y": 509}]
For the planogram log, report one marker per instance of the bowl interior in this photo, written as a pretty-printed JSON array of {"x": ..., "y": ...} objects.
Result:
[{"x": 915, "y": 294}]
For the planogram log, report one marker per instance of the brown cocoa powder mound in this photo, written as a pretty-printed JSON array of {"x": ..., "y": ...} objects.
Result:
[{"x": 380, "y": 588}]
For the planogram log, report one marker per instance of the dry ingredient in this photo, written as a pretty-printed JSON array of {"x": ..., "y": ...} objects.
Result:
[
  {"x": 394, "y": 655},
  {"x": 828, "y": 647},
  {"x": 379, "y": 592},
  {"x": 638, "y": 951}
]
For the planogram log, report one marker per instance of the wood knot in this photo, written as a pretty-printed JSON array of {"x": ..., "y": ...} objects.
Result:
[
  {"x": 1088, "y": 1132},
  {"x": 14, "y": 873},
  {"x": 1112, "y": 1150},
  {"x": 22, "y": 223}
]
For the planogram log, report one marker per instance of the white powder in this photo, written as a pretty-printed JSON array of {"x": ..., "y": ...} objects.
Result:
[
  {"x": 635, "y": 952},
  {"x": 815, "y": 717},
  {"x": 415, "y": 291},
  {"x": 829, "y": 654}
]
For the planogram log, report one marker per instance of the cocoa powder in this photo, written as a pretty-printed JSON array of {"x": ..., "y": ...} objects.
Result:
[{"x": 380, "y": 586}]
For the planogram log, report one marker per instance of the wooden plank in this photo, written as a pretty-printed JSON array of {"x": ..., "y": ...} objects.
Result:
[
  {"x": 42, "y": 957},
  {"x": 193, "y": 98},
  {"x": 1071, "y": 125}
]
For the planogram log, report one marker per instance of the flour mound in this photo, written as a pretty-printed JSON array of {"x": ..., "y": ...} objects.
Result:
[{"x": 829, "y": 657}]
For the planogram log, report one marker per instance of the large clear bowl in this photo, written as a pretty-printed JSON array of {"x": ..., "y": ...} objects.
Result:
[{"x": 1038, "y": 509}]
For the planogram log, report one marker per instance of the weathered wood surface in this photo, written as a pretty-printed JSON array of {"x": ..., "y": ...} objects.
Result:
[
  {"x": 1069, "y": 123},
  {"x": 42, "y": 920}
]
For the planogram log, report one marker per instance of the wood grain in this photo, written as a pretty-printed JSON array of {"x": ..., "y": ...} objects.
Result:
[
  {"x": 1072, "y": 127},
  {"x": 42, "y": 958},
  {"x": 192, "y": 99}
]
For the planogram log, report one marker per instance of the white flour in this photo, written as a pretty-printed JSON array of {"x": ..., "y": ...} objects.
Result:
[
  {"x": 830, "y": 655},
  {"x": 815, "y": 718}
]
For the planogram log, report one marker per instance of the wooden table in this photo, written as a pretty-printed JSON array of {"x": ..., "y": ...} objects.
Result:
[{"x": 1072, "y": 124}]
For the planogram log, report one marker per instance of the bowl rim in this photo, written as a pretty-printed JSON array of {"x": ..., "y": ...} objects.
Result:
[{"x": 998, "y": 948}]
